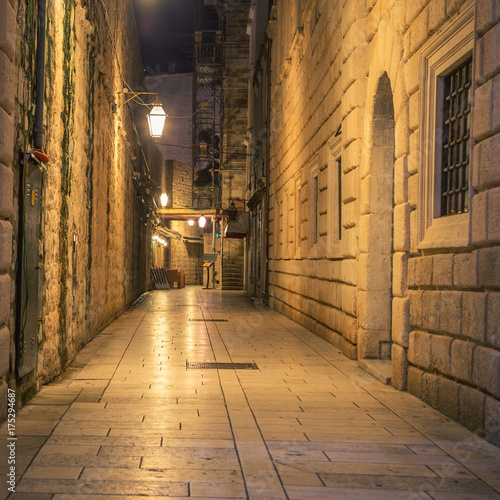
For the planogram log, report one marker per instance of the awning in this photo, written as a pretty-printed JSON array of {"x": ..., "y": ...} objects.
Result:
[{"x": 239, "y": 227}]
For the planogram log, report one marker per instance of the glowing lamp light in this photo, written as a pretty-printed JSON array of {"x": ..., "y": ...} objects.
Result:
[
  {"x": 191, "y": 222},
  {"x": 156, "y": 119},
  {"x": 202, "y": 221},
  {"x": 163, "y": 199}
]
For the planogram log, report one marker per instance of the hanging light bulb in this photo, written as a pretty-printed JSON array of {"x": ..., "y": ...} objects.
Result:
[
  {"x": 164, "y": 199},
  {"x": 202, "y": 221}
]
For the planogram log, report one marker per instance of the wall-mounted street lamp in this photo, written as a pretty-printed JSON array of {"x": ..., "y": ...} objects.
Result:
[
  {"x": 156, "y": 117},
  {"x": 232, "y": 211},
  {"x": 164, "y": 199},
  {"x": 191, "y": 222}
]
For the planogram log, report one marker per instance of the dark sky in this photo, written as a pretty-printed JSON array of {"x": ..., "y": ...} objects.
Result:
[{"x": 166, "y": 32}]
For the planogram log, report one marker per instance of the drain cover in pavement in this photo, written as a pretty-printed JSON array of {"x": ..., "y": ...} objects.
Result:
[
  {"x": 208, "y": 320},
  {"x": 222, "y": 366}
]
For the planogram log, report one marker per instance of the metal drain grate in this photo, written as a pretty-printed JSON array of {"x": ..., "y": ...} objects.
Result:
[
  {"x": 213, "y": 320},
  {"x": 221, "y": 366}
]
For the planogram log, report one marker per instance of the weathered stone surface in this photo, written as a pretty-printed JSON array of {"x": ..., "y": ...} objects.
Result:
[
  {"x": 486, "y": 370},
  {"x": 489, "y": 267},
  {"x": 442, "y": 275},
  {"x": 485, "y": 173},
  {"x": 6, "y": 185},
  {"x": 461, "y": 360},
  {"x": 3, "y": 400},
  {"x": 7, "y": 29},
  {"x": 7, "y": 83},
  {"x": 488, "y": 13},
  {"x": 465, "y": 270},
  {"x": 399, "y": 367},
  {"x": 423, "y": 271},
  {"x": 4, "y": 298},
  {"x": 441, "y": 353},
  {"x": 486, "y": 120},
  {"x": 5, "y": 245},
  {"x": 400, "y": 274},
  {"x": 415, "y": 381},
  {"x": 430, "y": 309},
  {"x": 415, "y": 308},
  {"x": 6, "y": 137},
  {"x": 401, "y": 321},
  {"x": 473, "y": 315},
  {"x": 419, "y": 349},
  {"x": 402, "y": 227},
  {"x": 374, "y": 310},
  {"x": 451, "y": 312},
  {"x": 488, "y": 55},
  {"x": 4, "y": 350},
  {"x": 448, "y": 397},
  {"x": 471, "y": 409},
  {"x": 430, "y": 389},
  {"x": 492, "y": 420},
  {"x": 493, "y": 319}
]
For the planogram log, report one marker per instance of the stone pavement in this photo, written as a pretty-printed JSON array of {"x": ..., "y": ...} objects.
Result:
[{"x": 132, "y": 419}]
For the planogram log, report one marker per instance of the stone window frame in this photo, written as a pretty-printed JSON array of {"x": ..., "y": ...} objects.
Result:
[
  {"x": 287, "y": 247},
  {"x": 335, "y": 155},
  {"x": 313, "y": 172},
  {"x": 298, "y": 216},
  {"x": 446, "y": 50}
]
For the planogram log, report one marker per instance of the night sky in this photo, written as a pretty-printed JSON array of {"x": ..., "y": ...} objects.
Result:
[{"x": 166, "y": 33}]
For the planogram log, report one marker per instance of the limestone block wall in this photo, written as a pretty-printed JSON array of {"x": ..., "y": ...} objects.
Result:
[
  {"x": 184, "y": 255},
  {"x": 235, "y": 101},
  {"x": 358, "y": 251},
  {"x": 8, "y": 29},
  {"x": 95, "y": 243}
]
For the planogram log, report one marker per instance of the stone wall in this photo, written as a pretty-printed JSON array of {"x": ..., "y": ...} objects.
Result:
[
  {"x": 95, "y": 242},
  {"x": 358, "y": 253},
  {"x": 183, "y": 254},
  {"x": 8, "y": 30},
  {"x": 235, "y": 102}
]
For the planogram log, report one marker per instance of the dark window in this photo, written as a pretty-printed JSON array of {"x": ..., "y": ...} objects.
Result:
[
  {"x": 456, "y": 140},
  {"x": 316, "y": 210},
  {"x": 339, "y": 194}
]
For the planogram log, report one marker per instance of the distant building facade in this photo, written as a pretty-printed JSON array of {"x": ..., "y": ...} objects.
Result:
[{"x": 374, "y": 179}]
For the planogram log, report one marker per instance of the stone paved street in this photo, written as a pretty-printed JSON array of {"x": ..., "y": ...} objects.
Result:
[{"x": 130, "y": 419}]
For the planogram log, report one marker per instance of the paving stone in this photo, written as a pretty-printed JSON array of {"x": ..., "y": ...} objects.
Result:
[{"x": 330, "y": 429}]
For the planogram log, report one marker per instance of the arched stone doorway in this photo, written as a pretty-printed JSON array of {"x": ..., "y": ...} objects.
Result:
[{"x": 376, "y": 230}]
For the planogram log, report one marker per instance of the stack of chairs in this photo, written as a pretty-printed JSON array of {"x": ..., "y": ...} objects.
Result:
[{"x": 159, "y": 278}]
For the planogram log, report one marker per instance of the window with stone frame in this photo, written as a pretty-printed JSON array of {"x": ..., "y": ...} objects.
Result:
[
  {"x": 335, "y": 197},
  {"x": 298, "y": 216},
  {"x": 446, "y": 116},
  {"x": 455, "y": 117},
  {"x": 315, "y": 213}
]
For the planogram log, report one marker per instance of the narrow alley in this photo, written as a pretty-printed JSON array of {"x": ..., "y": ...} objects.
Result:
[{"x": 140, "y": 414}]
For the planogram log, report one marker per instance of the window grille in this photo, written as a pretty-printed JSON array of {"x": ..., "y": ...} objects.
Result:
[{"x": 456, "y": 140}]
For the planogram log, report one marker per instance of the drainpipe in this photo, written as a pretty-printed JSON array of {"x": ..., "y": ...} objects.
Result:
[
  {"x": 40, "y": 75},
  {"x": 268, "y": 172}
]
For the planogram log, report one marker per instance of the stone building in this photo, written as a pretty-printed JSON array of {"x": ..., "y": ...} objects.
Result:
[
  {"x": 75, "y": 236},
  {"x": 185, "y": 254},
  {"x": 383, "y": 187},
  {"x": 176, "y": 93}
]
